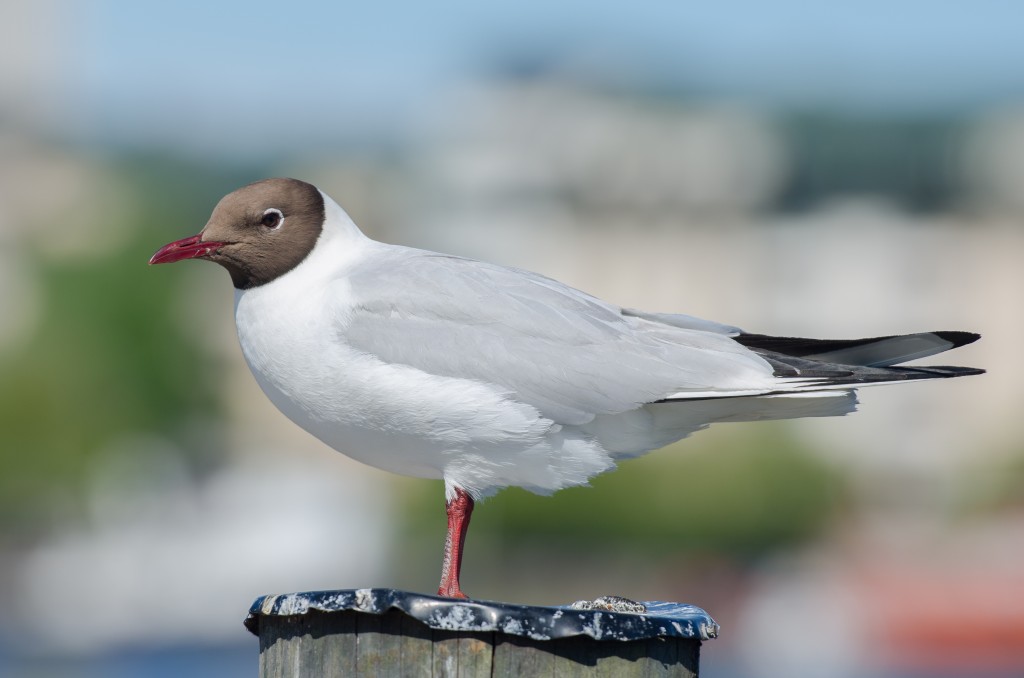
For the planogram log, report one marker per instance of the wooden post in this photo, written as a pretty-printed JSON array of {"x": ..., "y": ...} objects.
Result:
[{"x": 384, "y": 632}]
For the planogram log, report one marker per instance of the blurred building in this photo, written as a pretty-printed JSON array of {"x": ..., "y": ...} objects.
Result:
[{"x": 202, "y": 496}]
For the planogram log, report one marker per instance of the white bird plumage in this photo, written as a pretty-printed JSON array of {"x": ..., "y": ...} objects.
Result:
[
  {"x": 437, "y": 366},
  {"x": 442, "y": 367}
]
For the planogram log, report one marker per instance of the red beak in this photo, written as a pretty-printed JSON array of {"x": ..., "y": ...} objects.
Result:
[{"x": 186, "y": 248}]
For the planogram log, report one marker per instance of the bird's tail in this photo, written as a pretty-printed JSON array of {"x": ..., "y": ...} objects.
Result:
[
  {"x": 873, "y": 352},
  {"x": 827, "y": 364}
]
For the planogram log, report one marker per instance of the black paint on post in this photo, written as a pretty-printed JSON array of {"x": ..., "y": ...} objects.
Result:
[{"x": 383, "y": 632}]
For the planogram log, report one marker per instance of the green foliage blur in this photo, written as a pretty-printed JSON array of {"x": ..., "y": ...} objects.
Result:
[
  {"x": 107, "y": 358},
  {"x": 741, "y": 492}
]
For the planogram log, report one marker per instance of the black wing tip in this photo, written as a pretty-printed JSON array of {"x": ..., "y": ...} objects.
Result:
[
  {"x": 949, "y": 371},
  {"x": 900, "y": 373},
  {"x": 799, "y": 346},
  {"x": 930, "y": 372},
  {"x": 957, "y": 337}
]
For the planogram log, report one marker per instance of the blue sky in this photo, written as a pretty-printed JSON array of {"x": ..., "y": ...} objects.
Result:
[{"x": 285, "y": 71}]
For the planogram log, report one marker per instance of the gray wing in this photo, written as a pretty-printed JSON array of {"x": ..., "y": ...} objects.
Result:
[
  {"x": 687, "y": 322},
  {"x": 568, "y": 354}
]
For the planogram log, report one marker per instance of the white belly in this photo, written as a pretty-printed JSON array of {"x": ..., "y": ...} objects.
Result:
[{"x": 398, "y": 418}]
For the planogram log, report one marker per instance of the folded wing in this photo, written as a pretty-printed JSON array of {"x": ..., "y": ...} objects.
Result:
[{"x": 566, "y": 353}]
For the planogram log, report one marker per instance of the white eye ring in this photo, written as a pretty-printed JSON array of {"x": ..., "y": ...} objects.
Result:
[{"x": 272, "y": 218}]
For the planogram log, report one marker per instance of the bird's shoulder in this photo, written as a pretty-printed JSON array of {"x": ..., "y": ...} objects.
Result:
[{"x": 401, "y": 282}]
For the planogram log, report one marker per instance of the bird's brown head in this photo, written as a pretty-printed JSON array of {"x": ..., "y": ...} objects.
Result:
[{"x": 258, "y": 233}]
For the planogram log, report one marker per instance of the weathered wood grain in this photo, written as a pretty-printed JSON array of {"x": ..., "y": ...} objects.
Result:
[
  {"x": 445, "y": 661},
  {"x": 515, "y": 656},
  {"x": 345, "y": 644},
  {"x": 417, "y": 649},
  {"x": 476, "y": 655}
]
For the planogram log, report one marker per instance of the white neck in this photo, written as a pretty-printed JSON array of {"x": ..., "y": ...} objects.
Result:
[
  {"x": 340, "y": 243},
  {"x": 336, "y": 219}
]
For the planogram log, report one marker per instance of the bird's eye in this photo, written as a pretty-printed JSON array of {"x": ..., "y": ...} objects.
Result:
[{"x": 272, "y": 218}]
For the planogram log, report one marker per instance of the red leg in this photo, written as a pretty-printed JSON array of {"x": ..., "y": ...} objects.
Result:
[{"x": 459, "y": 510}]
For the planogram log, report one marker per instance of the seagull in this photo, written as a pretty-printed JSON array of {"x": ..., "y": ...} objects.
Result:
[{"x": 437, "y": 366}]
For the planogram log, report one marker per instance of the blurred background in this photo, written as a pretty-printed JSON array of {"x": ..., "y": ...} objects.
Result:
[{"x": 822, "y": 170}]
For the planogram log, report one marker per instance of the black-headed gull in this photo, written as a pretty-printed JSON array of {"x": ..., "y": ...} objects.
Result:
[{"x": 437, "y": 366}]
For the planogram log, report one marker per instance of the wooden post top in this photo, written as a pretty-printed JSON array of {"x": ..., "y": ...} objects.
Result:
[{"x": 538, "y": 623}]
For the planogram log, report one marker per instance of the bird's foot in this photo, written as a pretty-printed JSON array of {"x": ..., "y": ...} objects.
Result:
[
  {"x": 459, "y": 510},
  {"x": 451, "y": 592},
  {"x": 611, "y": 604}
]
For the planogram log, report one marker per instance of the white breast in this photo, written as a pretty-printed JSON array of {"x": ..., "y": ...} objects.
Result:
[{"x": 391, "y": 416}]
